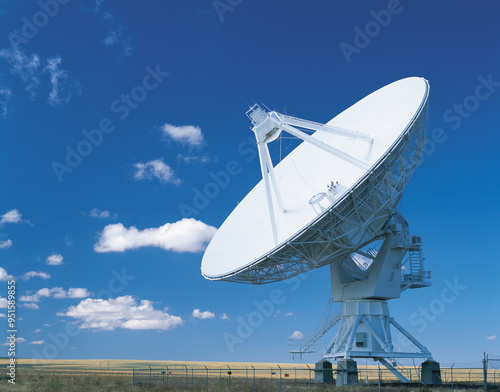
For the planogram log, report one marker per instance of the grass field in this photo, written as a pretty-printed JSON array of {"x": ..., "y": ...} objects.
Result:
[{"x": 118, "y": 375}]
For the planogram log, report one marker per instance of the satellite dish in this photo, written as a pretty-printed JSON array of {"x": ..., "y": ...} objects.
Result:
[{"x": 324, "y": 204}]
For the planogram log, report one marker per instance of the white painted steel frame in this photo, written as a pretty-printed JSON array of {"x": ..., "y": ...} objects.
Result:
[{"x": 353, "y": 221}]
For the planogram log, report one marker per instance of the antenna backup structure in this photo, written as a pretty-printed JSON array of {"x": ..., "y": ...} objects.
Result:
[{"x": 333, "y": 201}]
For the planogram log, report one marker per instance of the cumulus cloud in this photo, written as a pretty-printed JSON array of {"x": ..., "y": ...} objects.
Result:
[
  {"x": 155, "y": 169},
  {"x": 202, "y": 315},
  {"x": 4, "y": 244},
  {"x": 55, "y": 259},
  {"x": 186, "y": 235},
  {"x": 187, "y": 134},
  {"x": 297, "y": 335},
  {"x": 35, "y": 274},
  {"x": 12, "y": 216},
  {"x": 121, "y": 312},
  {"x": 37, "y": 342},
  {"x": 63, "y": 87},
  {"x": 3, "y": 303},
  {"x": 492, "y": 337},
  {"x": 4, "y": 275},
  {"x": 289, "y": 314},
  {"x": 56, "y": 292},
  {"x": 225, "y": 317},
  {"x": 37, "y": 330}
]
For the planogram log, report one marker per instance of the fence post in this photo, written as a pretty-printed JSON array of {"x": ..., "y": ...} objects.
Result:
[
  {"x": 149, "y": 375},
  {"x": 253, "y": 377},
  {"x": 485, "y": 372},
  {"x": 379, "y": 386},
  {"x": 133, "y": 376},
  {"x": 451, "y": 370},
  {"x": 309, "y": 376},
  {"x": 167, "y": 374},
  {"x": 280, "y": 376},
  {"x": 187, "y": 377},
  {"x": 206, "y": 382}
]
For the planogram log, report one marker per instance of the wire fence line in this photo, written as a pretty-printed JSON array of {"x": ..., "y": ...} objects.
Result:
[
  {"x": 256, "y": 376},
  {"x": 252, "y": 378}
]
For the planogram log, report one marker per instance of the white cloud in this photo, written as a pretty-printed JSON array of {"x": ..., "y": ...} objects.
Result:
[
  {"x": 155, "y": 169},
  {"x": 5, "y": 244},
  {"x": 225, "y": 317},
  {"x": 121, "y": 312},
  {"x": 5, "y": 95},
  {"x": 117, "y": 33},
  {"x": 3, "y": 303},
  {"x": 297, "y": 335},
  {"x": 78, "y": 292},
  {"x": 63, "y": 87},
  {"x": 31, "y": 305},
  {"x": 202, "y": 315},
  {"x": 24, "y": 66},
  {"x": 4, "y": 275},
  {"x": 95, "y": 213},
  {"x": 37, "y": 342},
  {"x": 492, "y": 337},
  {"x": 289, "y": 314},
  {"x": 3, "y": 315},
  {"x": 56, "y": 292},
  {"x": 186, "y": 134},
  {"x": 188, "y": 159},
  {"x": 12, "y": 216},
  {"x": 37, "y": 330},
  {"x": 55, "y": 259},
  {"x": 37, "y": 274},
  {"x": 28, "y": 69},
  {"x": 18, "y": 340},
  {"x": 186, "y": 235}
]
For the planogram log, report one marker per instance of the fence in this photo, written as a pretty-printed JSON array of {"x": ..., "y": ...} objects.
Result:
[
  {"x": 298, "y": 378},
  {"x": 198, "y": 376}
]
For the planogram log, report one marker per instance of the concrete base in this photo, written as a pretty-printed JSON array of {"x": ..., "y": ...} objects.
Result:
[
  {"x": 347, "y": 372},
  {"x": 431, "y": 373},
  {"x": 323, "y": 373}
]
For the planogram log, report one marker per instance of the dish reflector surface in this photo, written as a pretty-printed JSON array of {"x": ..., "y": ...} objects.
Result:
[{"x": 358, "y": 204}]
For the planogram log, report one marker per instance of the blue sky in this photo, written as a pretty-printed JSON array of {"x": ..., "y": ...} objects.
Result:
[{"x": 117, "y": 120}]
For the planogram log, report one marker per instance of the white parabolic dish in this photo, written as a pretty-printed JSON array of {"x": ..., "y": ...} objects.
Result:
[{"x": 243, "y": 249}]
